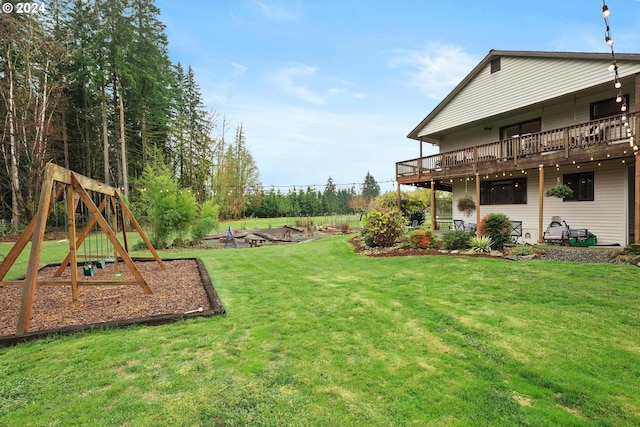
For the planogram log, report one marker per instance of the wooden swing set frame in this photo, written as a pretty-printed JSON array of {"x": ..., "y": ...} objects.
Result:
[{"x": 62, "y": 181}]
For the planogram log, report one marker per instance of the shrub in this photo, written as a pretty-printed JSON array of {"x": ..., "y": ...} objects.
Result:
[
  {"x": 344, "y": 227},
  {"x": 383, "y": 227},
  {"x": 481, "y": 243},
  {"x": 416, "y": 217},
  {"x": 422, "y": 239},
  {"x": 206, "y": 223},
  {"x": 456, "y": 239},
  {"x": 303, "y": 222},
  {"x": 521, "y": 250},
  {"x": 498, "y": 227},
  {"x": 202, "y": 227}
]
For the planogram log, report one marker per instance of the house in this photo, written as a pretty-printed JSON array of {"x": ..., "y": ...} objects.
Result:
[{"x": 522, "y": 122}]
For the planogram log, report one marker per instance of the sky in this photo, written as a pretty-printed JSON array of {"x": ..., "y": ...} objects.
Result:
[{"x": 331, "y": 88}]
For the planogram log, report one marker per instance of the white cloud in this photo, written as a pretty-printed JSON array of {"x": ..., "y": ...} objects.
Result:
[
  {"x": 435, "y": 70},
  {"x": 238, "y": 69},
  {"x": 306, "y": 146},
  {"x": 292, "y": 80},
  {"x": 275, "y": 13}
]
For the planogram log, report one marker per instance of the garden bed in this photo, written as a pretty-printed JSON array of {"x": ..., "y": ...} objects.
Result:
[
  {"x": 182, "y": 290},
  {"x": 571, "y": 254}
]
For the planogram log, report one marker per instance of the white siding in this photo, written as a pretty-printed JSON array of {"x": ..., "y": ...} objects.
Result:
[
  {"x": 606, "y": 216},
  {"x": 554, "y": 114},
  {"x": 522, "y": 82}
]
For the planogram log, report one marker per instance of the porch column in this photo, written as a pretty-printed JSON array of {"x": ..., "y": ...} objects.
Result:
[
  {"x": 398, "y": 202},
  {"x": 477, "y": 201},
  {"x": 540, "y": 201},
  {"x": 420, "y": 162},
  {"x": 433, "y": 206}
]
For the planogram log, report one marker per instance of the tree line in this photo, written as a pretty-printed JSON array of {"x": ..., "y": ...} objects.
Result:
[{"x": 88, "y": 85}]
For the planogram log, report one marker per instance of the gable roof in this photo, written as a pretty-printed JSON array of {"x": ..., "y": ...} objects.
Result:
[{"x": 569, "y": 62}]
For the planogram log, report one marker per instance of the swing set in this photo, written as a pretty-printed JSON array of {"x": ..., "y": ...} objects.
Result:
[{"x": 75, "y": 189}]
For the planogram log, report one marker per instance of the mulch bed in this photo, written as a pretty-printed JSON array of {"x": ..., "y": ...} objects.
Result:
[
  {"x": 182, "y": 290},
  {"x": 569, "y": 254},
  {"x": 361, "y": 248}
]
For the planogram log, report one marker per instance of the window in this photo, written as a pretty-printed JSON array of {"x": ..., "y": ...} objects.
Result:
[
  {"x": 504, "y": 192},
  {"x": 606, "y": 108},
  {"x": 519, "y": 129},
  {"x": 495, "y": 65},
  {"x": 582, "y": 186}
]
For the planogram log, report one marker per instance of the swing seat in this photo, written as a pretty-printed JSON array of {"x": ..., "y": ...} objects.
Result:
[
  {"x": 88, "y": 270},
  {"x": 99, "y": 263}
]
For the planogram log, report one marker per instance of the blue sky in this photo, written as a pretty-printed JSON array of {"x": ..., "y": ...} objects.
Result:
[{"x": 331, "y": 88}]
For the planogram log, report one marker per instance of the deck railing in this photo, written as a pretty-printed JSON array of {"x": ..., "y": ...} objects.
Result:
[{"x": 584, "y": 135}]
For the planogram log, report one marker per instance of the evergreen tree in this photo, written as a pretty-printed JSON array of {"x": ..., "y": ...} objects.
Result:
[
  {"x": 330, "y": 197},
  {"x": 370, "y": 188}
]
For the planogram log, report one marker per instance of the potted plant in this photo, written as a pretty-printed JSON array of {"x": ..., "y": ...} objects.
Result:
[
  {"x": 559, "y": 191},
  {"x": 466, "y": 205}
]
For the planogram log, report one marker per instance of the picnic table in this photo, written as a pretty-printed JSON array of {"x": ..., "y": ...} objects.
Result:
[{"x": 254, "y": 242}]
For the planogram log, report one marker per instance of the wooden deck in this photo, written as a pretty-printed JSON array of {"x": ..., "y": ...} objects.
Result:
[{"x": 590, "y": 141}]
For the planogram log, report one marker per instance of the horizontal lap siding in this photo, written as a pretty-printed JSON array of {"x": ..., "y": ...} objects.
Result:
[
  {"x": 606, "y": 216},
  {"x": 521, "y": 82},
  {"x": 555, "y": 114}
]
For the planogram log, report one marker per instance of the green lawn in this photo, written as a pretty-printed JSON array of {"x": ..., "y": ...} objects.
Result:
[{"x": 316, "y": 335}]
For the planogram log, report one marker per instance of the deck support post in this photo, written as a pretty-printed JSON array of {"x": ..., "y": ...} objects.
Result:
[
  {"x": 477, "y": 201},
  {"x": 540, "y": 201},
  {"x": 434, "y": 225},
  {"x": 636, "y": 213}
]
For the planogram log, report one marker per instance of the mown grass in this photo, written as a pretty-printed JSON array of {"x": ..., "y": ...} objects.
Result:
[
  {"x": 317, "y": 335},
  {"x": 323, "y": 220}
]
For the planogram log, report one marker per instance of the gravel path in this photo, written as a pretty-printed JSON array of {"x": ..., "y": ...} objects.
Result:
[{"x": 577, "y": 255}]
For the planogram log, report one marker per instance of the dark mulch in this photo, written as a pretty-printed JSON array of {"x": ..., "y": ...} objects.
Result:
[{"x": 180, "y": 291}]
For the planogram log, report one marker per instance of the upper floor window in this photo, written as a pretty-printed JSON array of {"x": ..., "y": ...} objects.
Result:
[
  {"x": 581, "y": 184},
  {"x": 504, "y": 192},
  {"x": 519, "y": 129},
  {"x": 606, "y": 108}
]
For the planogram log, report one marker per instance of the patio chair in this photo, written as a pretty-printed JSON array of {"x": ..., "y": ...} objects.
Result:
[
  {"x": 557, "y": 232},
  {"x": 470, "y": 228},
  {"x": 516, "y": 231},
  {"x": 458, "y": 224}
]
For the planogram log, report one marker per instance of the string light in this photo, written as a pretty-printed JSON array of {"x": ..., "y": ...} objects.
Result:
[{"x": 616, "y": 77}]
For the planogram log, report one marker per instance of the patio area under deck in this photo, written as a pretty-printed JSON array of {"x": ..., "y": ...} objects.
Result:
[{"x": 596, "y": 140}]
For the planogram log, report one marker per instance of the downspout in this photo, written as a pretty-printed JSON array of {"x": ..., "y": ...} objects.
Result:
[
  {"x": 540, "y": 200},
  {"x": 636, "y": 213}
]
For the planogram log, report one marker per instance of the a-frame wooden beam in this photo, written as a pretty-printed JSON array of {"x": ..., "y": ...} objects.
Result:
[
  {"x": 29, "y": 288},
  {"x": 84, "y": 196},
  {"x": 76, "y": 188}
]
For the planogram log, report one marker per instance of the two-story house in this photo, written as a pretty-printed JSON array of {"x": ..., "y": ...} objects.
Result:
[{"x": 522, "y": 122}]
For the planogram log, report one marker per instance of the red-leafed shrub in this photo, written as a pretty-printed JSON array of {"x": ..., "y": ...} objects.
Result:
[{"x": 422, "y": 239}]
